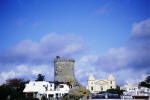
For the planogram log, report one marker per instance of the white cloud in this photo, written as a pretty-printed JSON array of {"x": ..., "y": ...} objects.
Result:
[
  {"x": 141, "y": 29},
  {"x": 28, "y": 72},
  {"x": 45, "y": 50},
  {"x": 6, "y": 75}
]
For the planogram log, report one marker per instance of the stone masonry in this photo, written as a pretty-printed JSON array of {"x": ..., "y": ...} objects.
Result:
[{"x": 64, "y": 70}]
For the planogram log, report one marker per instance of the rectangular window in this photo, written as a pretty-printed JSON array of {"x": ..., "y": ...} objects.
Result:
[
  {"x": 92, "y": 88},
  {"x": 50, "y": 95},
  {"x": 101, "y": 88},
  {"x": 61, "y": 86},
  {"x": 110, "y": 82}
]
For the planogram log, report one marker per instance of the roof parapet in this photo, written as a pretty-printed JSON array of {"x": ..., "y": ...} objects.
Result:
[{"x": 59, "y": 59}]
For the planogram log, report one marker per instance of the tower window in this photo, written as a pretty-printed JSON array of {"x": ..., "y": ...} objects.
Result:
[
  {"x": 110, "y": 82},
  {"x": 92, "y": 88},
  {"x": 101, "y": 88}
]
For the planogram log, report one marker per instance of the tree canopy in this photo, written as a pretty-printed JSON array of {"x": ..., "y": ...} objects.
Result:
[
  {"x": 40, "y": 77},
  {"x": 146, "y": 82},
  {"x": 147, "y": 79},
  {"x": 117, "y": 90},
  {"x": 13, "y": 89}
]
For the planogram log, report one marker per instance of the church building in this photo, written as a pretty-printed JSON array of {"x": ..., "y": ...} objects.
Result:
[{"x": 96, "y": 86}]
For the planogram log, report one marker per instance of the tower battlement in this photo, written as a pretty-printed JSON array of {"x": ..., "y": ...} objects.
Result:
[{"x": 58, "y": 59}]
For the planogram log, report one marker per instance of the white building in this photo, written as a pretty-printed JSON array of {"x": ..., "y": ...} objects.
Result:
[
  {"x": 96, "y": 86},
  {"x": 49, "y": 90},
  {"x": 134, "y": 90},
  {"x": 38, "y": 86},
  {"x": 130, "y": 89},
  {"x": 60, "y": 90}
]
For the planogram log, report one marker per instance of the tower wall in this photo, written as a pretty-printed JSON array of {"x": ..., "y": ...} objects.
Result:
[{"x": 64, "y": 70}]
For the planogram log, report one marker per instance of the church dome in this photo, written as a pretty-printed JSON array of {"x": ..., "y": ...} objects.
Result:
[
  {"x": 110, "y": 77},
  {"x": 91, "y": 77}
]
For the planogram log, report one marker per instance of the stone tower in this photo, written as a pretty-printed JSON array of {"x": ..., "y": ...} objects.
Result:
[{"x": 64, "y": 70}]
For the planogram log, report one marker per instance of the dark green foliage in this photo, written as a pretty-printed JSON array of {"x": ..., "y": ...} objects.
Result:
[
  {"x": 115, "y": 91},
  {"x": 44, "y": 98},
  {"x": 13, "y": 90},
  {"x": 145, "y": 83},
  {"x": 101, "y": 92},
  {"x": 71, "y": 97},
  {"x": 40, "y": 77},
  {"x": 17, "y": 84},
  {"x": 4, "y": 92},
  {"x": 147, "y": 79}
]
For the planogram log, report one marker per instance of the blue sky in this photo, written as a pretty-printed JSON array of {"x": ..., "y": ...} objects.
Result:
[{"x": 96, "y": 28}]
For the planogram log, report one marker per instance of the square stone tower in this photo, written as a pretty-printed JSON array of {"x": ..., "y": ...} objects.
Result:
[{"x": 64, "y": 70}]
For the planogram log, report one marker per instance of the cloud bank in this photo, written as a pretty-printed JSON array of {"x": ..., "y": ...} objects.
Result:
[
  {"x": 49, "y": 46},
  {"x": 127, "y": 63},
  {"x": 37, "y": 57}
]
